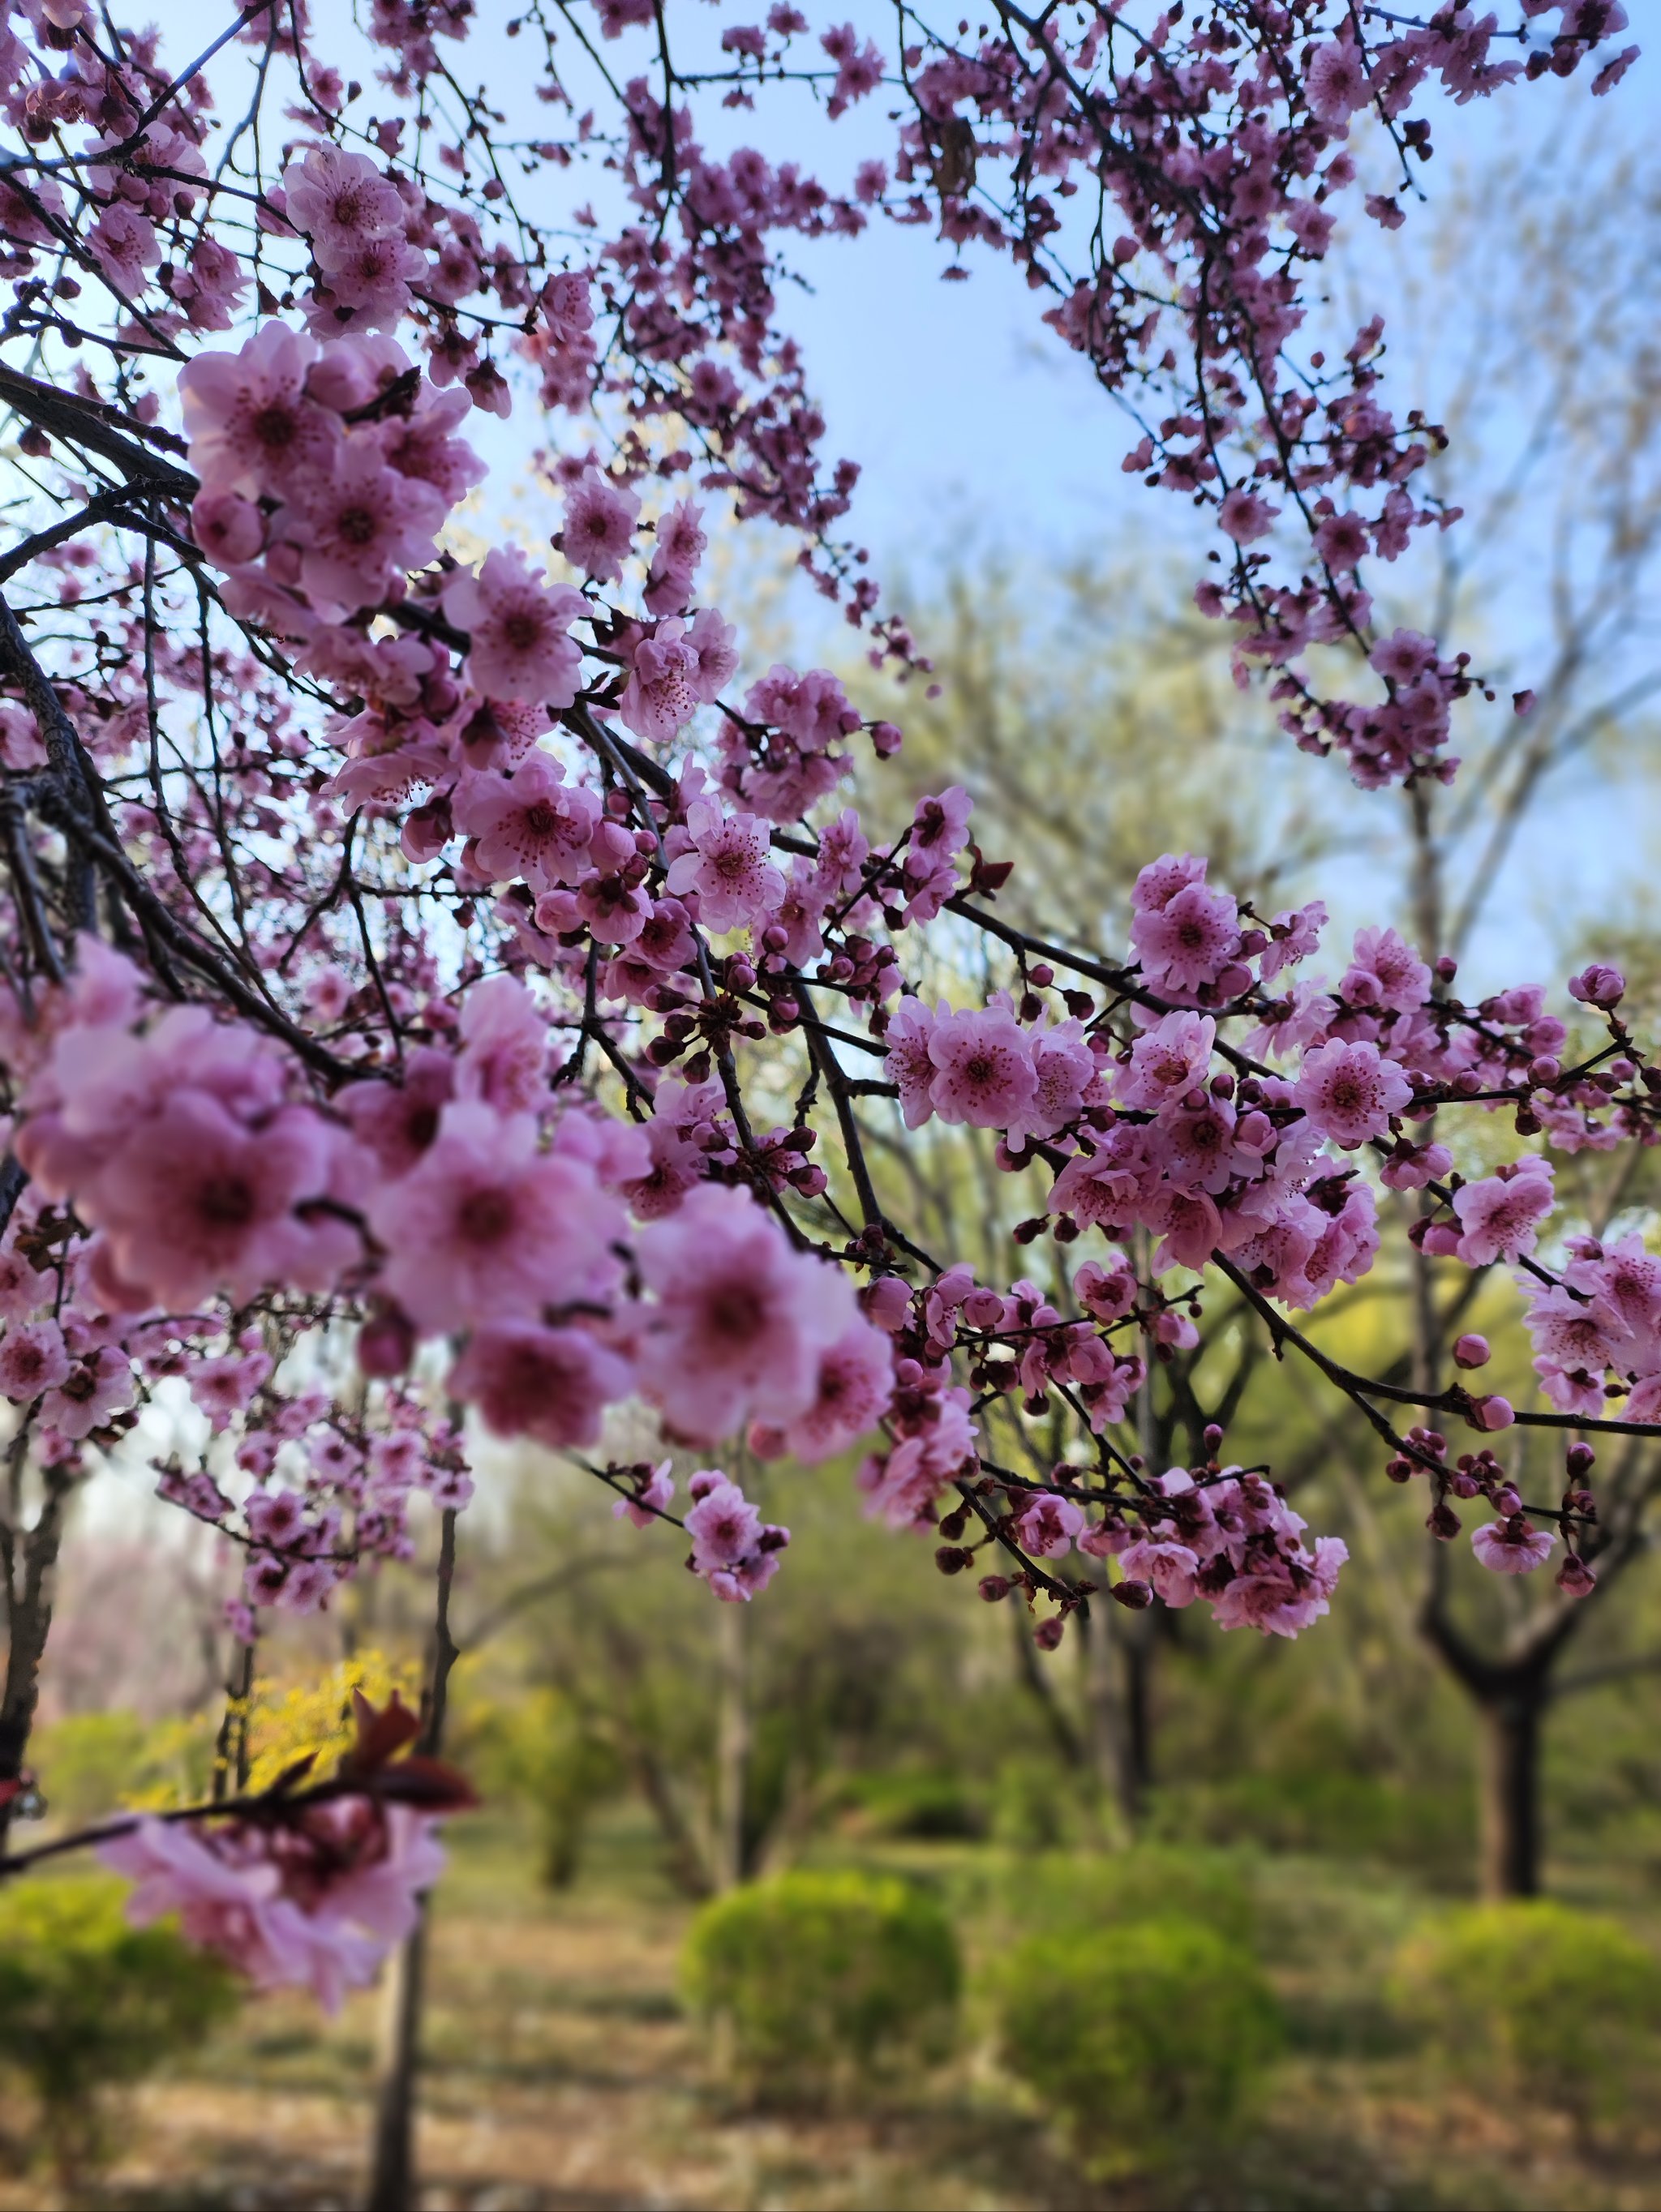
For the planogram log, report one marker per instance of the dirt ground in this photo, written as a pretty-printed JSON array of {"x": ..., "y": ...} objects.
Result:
[{"x": 562, "y": 2076}]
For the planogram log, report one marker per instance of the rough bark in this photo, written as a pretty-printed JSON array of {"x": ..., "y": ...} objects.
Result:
[
  {"x": 1510, "y": 1801},
  {"x": 30, "y": 1563},
  {"x": 391, "y": 2159}
]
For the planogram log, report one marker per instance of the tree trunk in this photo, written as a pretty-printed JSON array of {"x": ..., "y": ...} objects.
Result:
[
  {"x": 392, "y": 2151},
  {"x": 28, "y": 1620},
  {"x": 391, "y": 2167},
  {"x": 1120, "y": 1673},
  {"x": 1510, "y": 1784},
  {"x": 733, "y": 1748}
]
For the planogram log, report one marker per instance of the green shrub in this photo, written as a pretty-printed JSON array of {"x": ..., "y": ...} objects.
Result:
[
  {"x": 1037, "y": 1805},
  {"x": 1334, "y": 1814},
  {"x": 1073, "y": 1894},
  {"x": 812, "y": 1980},
  {"x": 1562, "y": 2007},
  {"x": 927, "y": 1807},
  {"x": 87, "y": 2001},
  {"x": 92, "y": 1764},
  {"x": 1145, "y": 2041}
]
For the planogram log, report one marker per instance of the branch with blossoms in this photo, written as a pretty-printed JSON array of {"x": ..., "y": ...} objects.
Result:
[
  {"x": 436, "y": 994},
  {"x": 306, "y": 1884}
]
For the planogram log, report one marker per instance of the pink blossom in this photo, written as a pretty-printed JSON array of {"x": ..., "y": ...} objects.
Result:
[
  {"x": 195, "y": 1201},
  {"x": 419, "y": 444},
  {"x": 533, "y": 823},
  {"x": 32, "y": 1358},
  {"x": 1350, "y": 1091},
  {"x": 853, "y": 1392},
  {"x": 1167, "y": 1062},
  {"x": 247, "y": 417},
  {"x": 1189, "y": 941},
  {"x": 739, "y": 1321},
  {"x": 1499, "y": 1215},
  {"x": 1403, "y": 657},
  {"x": 909, "y": 1065},
  {"x": 939, "y": 829},
  {"x": 599, "y": 527},
  {"x": 1490, "y": 1414},
  {"x": 723, "y": 1524},
  {"x": 552, "y": 1384},
  {"x": 1599, "y": 985},
  {"x": 504, "y": 1058},
  {"x": 734, "y": 1551},
  {"x": 1294, "y": 934},
  {"x": 228, "y": 528},
  {"x": 812, "y": 708},
  {"x": 360, "y": 525},
  {"x": 1245, "y": 516},
  {"x": 984, "y": 1070},
  {"x": 99, "y": 1386},
  {"x": 653, "y": 1497},
  {"x": 22, "y": 1290},
  {"x": 1471, "y": 1351},
  {"x": 1284, "y": 1597},
  {"x": 1385, "y": 972},
  {"x": 318, "y": 1911},
  {"x": 1048, "y": 1525},
  {"x": 680, "y": 546},
  {"x": 519, "y": 645},
  {"x": 1336, "y": 82},
  {"x": 339, "y": 200},
  {"x": 1169, "y": 1567},
  {"x": 1512, "y": 1546},
  {"x": 1341, "y": 541},
  {"x": 679, "y": 667},
  {"x": 399, "y": 1120},
  {"x": 230, "y": 1904},
  {"x": 125, "y": 245},
  {"x": 368, "y": 288},
  {"x": 486, "y": 1227},
  {"x": 727, "y": 866},
  {"x": 1575, "y": 1577}
]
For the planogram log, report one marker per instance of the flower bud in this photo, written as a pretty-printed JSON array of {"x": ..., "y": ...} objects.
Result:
[
  {"x": 1490, "y": 1413},
  {"x": 1471, "y": 1351},
  {"x": 385, "y": 1344},
  {"x": 1599, "y": 985},
  {"x": 1575, "y": 1578}
]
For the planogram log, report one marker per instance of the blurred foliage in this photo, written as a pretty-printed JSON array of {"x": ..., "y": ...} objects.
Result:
[
  {"x": 1149, "y": 2040},
  {"x": 817, "y": 1982},
  {"x": 1543, "y": 2003},
  {"x": 93, "y": 1764},
  {"x": 1094, "y": 721},
  {"x": 314, "y": 1718},
  {"x": 87, "y": 2003},
  {"x": 539, "y": 1751},
  {"x": 1212, "y": 1889}
]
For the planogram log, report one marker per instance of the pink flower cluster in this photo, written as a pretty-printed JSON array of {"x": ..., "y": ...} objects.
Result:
[
  {"x": 733, "y": 1549},
  {"x": 313, "y": 1903},
  {"x": 181, "y": 1145},
  {"x": 1596, "y": 1332},
  {"x": 1236, "y": 1542},
  {"x": 316, "y": 501}
]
